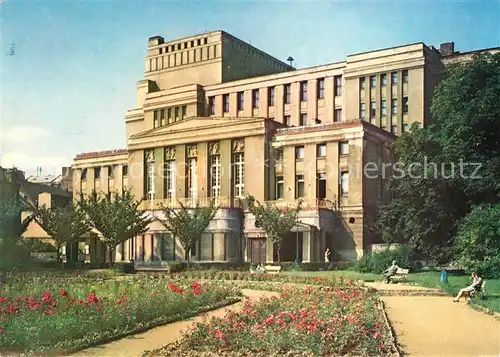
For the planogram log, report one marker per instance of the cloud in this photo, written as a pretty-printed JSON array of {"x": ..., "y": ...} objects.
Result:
[
  {"x": 29, "y": 163},
  {"x": 24, "y": 134}
]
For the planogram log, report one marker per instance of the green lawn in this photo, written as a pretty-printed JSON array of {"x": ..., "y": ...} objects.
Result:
[{"x": 426, "y": 279}]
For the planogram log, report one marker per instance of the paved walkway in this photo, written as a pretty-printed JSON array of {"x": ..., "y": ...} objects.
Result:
[{"x": 135, "y": 345}]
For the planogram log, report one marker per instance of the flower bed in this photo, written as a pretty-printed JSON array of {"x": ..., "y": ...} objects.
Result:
[
  {"x": 73, "y": 314},
  {"x": 311, "y": 321}
]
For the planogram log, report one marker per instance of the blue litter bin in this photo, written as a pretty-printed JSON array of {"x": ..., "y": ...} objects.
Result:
[{"x": 444, "y": 276}]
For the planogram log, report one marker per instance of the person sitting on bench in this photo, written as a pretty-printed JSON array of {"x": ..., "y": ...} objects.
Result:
[
  {"x": 477, "y": 282},
  {"x": 390, "y": 271}
]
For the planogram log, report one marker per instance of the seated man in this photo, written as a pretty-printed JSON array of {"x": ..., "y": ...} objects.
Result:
[
  {"x": 390, "y": 271},
  {"x": 477, "y": 282}
]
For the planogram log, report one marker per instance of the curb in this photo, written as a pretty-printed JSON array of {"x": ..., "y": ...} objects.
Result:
[{"x": 392, "y": 332}]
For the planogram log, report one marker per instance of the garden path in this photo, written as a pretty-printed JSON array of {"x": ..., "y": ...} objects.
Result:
[{"x": 135, "y": 345}]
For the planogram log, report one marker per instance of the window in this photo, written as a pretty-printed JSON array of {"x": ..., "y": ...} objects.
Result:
[
  {"x": 373, "y": 81},
  {"x": 373, "y": 109},
  {"x": 299, "y": 153},
  {"x": 344, "y": 148},
  {"x": 383, "y": 108},
  {"x": 405, "y": 76},
  {"x": 362, "y": 110},
  {"x": 170, "y": 174},
  {"x": 241, "y": 100},
  {"x": 150, "y": 180},
  {"x": 215, "y": 179},
  {"x": 337, "y": 115},
  {"x": 303, "y": 119},
  {"x": 255, "y": 98},
  {"x": 394, "y": 129},
  {"x": 225, "y": 103},
  {"x": 321, "y": 186},
  {"x": 404, "y": 128},
  {"x": 184, "y": 111},
  {"x": 176, "y": 110},
  {"x": 279, "y": 188},
  {"x": 303, "y": 91},
  {"x": 362, "y": 83},
  {"x": 125, "y": 170},
  {"x": 111, "y": 171},
  {"x": 97, "y": 173},
  {"x": 169, "y": 115},
  {"x": 278, "y": 155},
  {"x": 155, "y": 119},
  {"x": 321, "y": 88},
  {"x": 271, "y": 93},
  {"x": 287, "y": 120},
  {"x": 321, "y": 150},
  {"x": 287, "y": 93},
  {"x": 405, "y": 105},
  {"x": 394, "y": 77},
  {"x": 383, "y": 80},
  {"x": 299, "y": 186},
  {"x": 84, "y": 174},
  {"x": 338, "y": 85},
  {"x": 344, "y": 183},
  {"x": 192, "y": 179},
  {"x": 394, "y": 106},
  {"x": 211, "y": 105},
  {"x": 162, "y": 117},
  {"x": 239, "y": 174}
]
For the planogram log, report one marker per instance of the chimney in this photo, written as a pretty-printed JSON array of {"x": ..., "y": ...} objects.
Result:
[
  {"x": 156, "y": 41},
  {"x": 447, "y": 49}
]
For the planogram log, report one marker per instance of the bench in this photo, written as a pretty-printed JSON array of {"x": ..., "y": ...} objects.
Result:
[
  {"x": 272, "y": 269},
  {"x": 480, "y": 292},
  {"x": 401, "y": 275}
]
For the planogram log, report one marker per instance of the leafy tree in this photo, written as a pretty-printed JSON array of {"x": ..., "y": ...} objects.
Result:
[
  {"x": 188, "y": 224},
  {"x": 116, "y": 217},
  {"x": 478, "y": 240},
  {"x": 11, "y": 225},
  {"x": 276, "y": 221},
  {"x": 65, "y": 225}
]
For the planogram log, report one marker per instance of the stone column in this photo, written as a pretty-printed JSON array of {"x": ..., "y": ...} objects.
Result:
[
  {"x": 181, "y": 173},
  {"x": 226, "y": 172},
  {"x": 159, "y": 154}
]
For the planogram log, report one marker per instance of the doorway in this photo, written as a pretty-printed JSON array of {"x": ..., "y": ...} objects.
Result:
[{"x": 257, "y": 250}]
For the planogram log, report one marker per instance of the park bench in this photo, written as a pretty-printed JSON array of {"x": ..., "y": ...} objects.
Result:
[
  {"x": 479, "y": 293},
  {"x": 401, "y": 275},
  {"x": 272, "y": 269}
]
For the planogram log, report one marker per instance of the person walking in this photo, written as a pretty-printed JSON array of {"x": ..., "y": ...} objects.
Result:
[{"x": 327, "y": 255}]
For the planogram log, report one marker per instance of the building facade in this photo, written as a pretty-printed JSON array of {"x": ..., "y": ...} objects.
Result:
[{"x": 216, "y": 118}]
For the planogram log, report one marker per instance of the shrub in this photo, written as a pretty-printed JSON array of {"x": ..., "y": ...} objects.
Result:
[
  {"x": 124, "y": 267},
  {"x": 379, "y": 261},
  {"x": 13, "y": 254}
]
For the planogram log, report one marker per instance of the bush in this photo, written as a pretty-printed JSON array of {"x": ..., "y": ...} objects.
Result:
[
  {"x": 13, "y": 254},
  {"x": 379, "y": 261},
  {"x": 124, "y": 267}
]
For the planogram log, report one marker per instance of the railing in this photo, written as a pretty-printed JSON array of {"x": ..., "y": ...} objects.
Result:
[
  {"x": 222, "y": 202},
  {"x": 306, "y": 203}
]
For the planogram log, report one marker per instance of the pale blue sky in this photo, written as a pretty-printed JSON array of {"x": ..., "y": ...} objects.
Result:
[{"x": 76, "y": 62}]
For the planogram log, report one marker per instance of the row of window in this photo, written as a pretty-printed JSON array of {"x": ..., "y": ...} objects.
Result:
[
  {"x": 184, "y": 45},
  {"x": 110, "y": 171},
  {"x": 164, "y": 116},
  {"x": 383, "y": 79},
  {"x": 383, "y": 108},
  {"x": 321, "y": 187},
  {"x": 271, "y": 95},
  {"x": 320, "y": 151}
]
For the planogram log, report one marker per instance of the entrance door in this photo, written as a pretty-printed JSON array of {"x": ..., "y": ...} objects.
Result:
[{"x": 257, "y": 250}]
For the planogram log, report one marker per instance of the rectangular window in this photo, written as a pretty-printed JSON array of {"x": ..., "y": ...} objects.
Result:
[
  {"x": 155, "y": 119},
  {"x": 287, "y": 120},
  {"x": 383, "y": 80},
  {"x": 321, "y": 186},
  {"x": 344, "y": 148},
  {"x": 299, "y": 186},
  {"x": 337, "y": 115},
  {"x": 394, "y": 106},
  {"x": 321, "y": 88},
  {"x": 162, "y": 117},
  {"x": 176, "y": 113},
  {"x": 394, "y": 129},
  {"x": 150, "y": 180},
  {"x": 383, "y": 110},
  {"x": 373, "y": 81},
  {"x": 170, "y": 174},
  {"x": 344, "y": 183},
  {"x": 394, "y": 77},
  {"x": 299, "y": 153},
  {"x": 362, "y": 111},
  {"x": 184, "y": 111},
  {"x": 338, "y": 85},
  {"x": 111, "y": 171},
  {"x": 404, "y": 128},
  {"x": 215, "y": 177},
  {"x": 192, "y": 179},
  {"x": 278, "y": 155},
  {"x": 405, "y": 76},
  {"x": 225, "y": 103},
  {"x": 405, "y": 105},
  {"x": 279, "y": 188},
  {"x": 271, "y": 95},
  {"x": 321, "y": 150},
  {"x": 303, "y": 91},
  {"x": 169, "y": 115},
  {"x": 241, "y": 100},
  {"x": 239, "y": 174},
  {"x": 303, "y": 119},
  {"x": 97, "y": 173},
  {"x": 287, "y": 94},
  {"x": 211, "y": 105},
  {"x": 362, "y": 83},
  {"x": 125, "y": 170},
  {"x": 255, "y": 98},
  {"x": 373, "y": 109}
]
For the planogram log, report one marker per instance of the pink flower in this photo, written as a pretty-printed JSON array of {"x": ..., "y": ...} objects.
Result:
[
  {"x": 2, "y": 300},
  {"x": 219, "y": 335},
  {"x": 377, "y": 335},
  {"x": 63, "y": 293},
  {"x": 2, "y": 331}
]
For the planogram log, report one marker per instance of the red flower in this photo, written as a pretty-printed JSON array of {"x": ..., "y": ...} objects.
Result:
[
  {"x": 2, "y": 331},
  {"x": 63, "y": 293},
  {"x": 219, "y": 335},
  {"x": 2, "y": 300},
  {"x": 13, "y": 309},
  {"x": 377, "y": 335}
]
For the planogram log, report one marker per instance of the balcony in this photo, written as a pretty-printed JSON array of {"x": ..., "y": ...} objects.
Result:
[{"x": 222, "y": 202}]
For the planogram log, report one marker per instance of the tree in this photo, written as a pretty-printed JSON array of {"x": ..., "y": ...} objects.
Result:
[
  {"x": 116, "y": 217},
  {"x": 65, "y": 225},
  {"x": 188, "y": 224},
  {"x": 11, "y": 225},
  {"x": 275, "y": 221}
]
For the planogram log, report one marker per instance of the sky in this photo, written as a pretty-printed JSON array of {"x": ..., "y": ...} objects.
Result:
[{"x": 71, "y": 75}]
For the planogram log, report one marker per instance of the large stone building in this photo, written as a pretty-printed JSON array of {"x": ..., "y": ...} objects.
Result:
[{"x": 216, "y": 118}]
